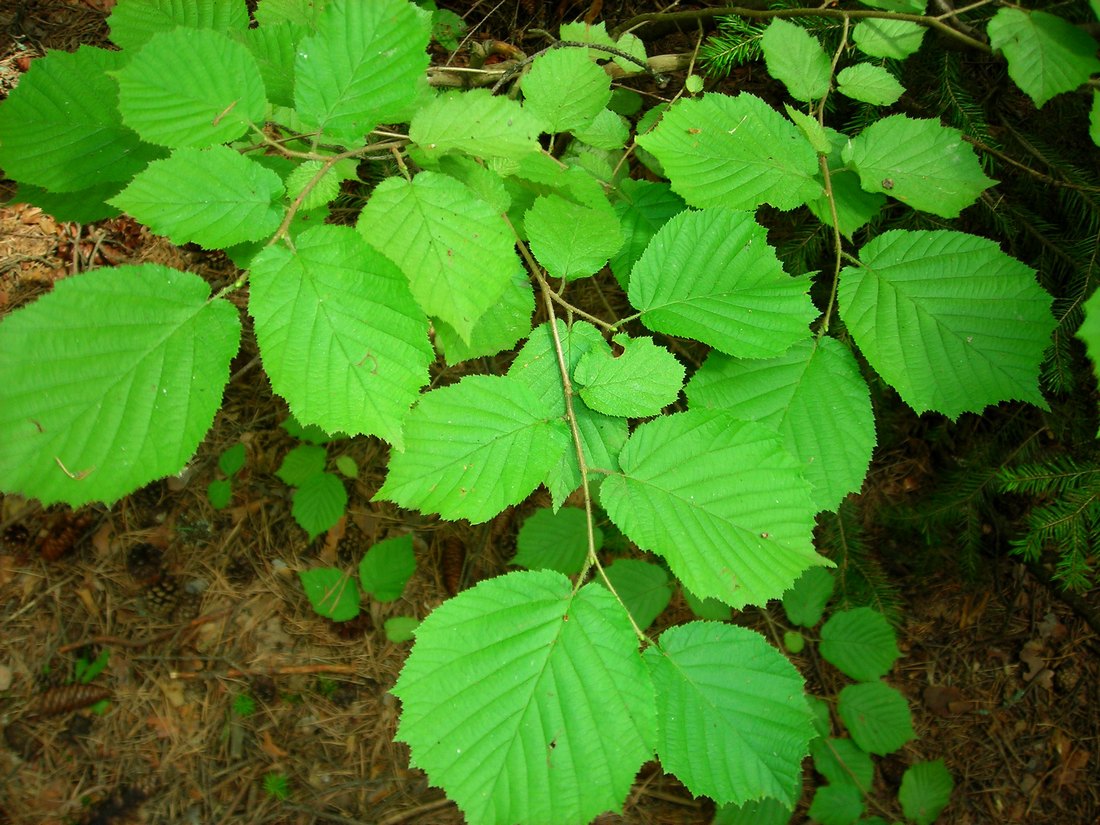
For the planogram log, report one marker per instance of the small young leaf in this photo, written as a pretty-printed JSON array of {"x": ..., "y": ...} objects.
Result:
[
  {"x": 400, "y": 629},
  {"x": 386, "y": 568},
  {"x": 805, "y": 602},
  {"x": 870, "y": 84},
  {"x": 324, "y": 190},
  {"x": 639, "y": 382},
  {"x": 565, "y": 90},
  {"x": 476, "y": 123},
  {"x": 724, "y": 503},
  {"x": 730, "y": 291},
  {"x": 347, "y": 466},
  {"x": 301, "y": 464},
  {"x": 219, "y": 492},
  {"x": 842, "y": 762},
  {"x": 214, "y": 197},
  {"x": 921, "y": 163},
  {"x": 331, "y": 592},
  {"x": 813, "y": 131},
  {"x": 833, "y": 442},
  {"x": 457, "y": 252},
  {"x": 836, "y": 805},
  {"x": 60, "y": 128},
  {"x": 723, "y": 691},
  {"x": 341, "y": 337},
  {"x": 318, "y": 503},
  {"x": 191, "y": 87},
  {"x": 644, "y": 588},
  {"x": 90, "y": 370},
  {"x": 794, "y": 642},
  {"x": 232, "y": 459},
  {"x": 895, "y": 39},
  {"x": 571, "y": 241},
  {"x": 925, "y": 305},
  {"x": 735, "y": 152},
  {"x": 608, "y": 131},
  {"x": 523, "y": 748},
  {"x": 860, "y": 642},
  {"x": 925, "y": 791},
  {"x": 795, "y": 57},
  {"x": 473, "y": 448},
  {"x": 1046, "y": 54},
  {"x": 363, "y": 65},
  {"x": 876, "y": 715},
  {"x": 133, "y": 23},
  {"x": 555, "y": 541}
]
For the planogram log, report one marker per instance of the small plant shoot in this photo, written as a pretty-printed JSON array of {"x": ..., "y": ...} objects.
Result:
[{"x": 708, "y": 421}]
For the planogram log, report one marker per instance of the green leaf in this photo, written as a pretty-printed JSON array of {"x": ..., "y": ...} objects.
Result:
[
  {"x": 302, "y": 12},
  {"x": 318, "y": 503},
  {"x": 895, "y": 39},
  {"x": 134, "y": 23},
  {"x": 735, "y": 152},
  {"x": 191, "y": 87},
  {"x": 551, "y": 540},
  {"x": 795, "y": 57},
  {"x": 85, "y": 206},
  {"x": 925, "y": 791},
  {"x": 644, "y": 208},
  {"x": 710, "y": 609},
  {"x": 720, "y": 499},
  {"x": 219, "y": 492},
  {"x": 793, "y": 641},
  {"x": 644, "y": 588},
  {"x": 602, "y": 436},
  {"x": 922, "y": 163},
  {"x": 870, "y": 84},
  {"x": 607, "y": 131},
  {"x": 309, "y": 433},
  {"x": 386, "y": 568},
  {"x": 639, "y": 382},
  {"x": 805, "y": 602},
  {"x": 842, "y": 762},
  {"x": 733, "y": 723},
  {"x": 900, "y": 6},
  {"x": 730, "y": 291},
  {"x": 1089, "y": 331},
  {"x": 498, "y": 330},
  {"x": 401, "y": 628},
  {"x": 341, "y": 337},
  {"x": 476, "y": 123},
  {"x": 110, "y": 381},
  {"x": 948, "y": 320},
  {"x": 860, "y": 643},
  {"x": 836, "y": 805},
  {"x": 473, "y": 448},
  {"x": 331, "y": 592},
  {"x": 347, "y": 466},
  {"x": 447, "y": 28},
  {"x": 565, "y": 90},
  {"x": 214, "y": 197},
  {"x": 758, "y": 812},
  {"x": 457, "y": 252},
  {"x": 1094, "y": 119},
  {"x": 813, "y": 131},
  {"x": 232, "y": 459},
  {"x": 274, "y": 48},
  {"x": 832, "y": 441},
  {"x": 524, "y": 748},
  {"x": 876, "y": 715},
  {"x": 301, "y": 464},
  {"x": 855, "y": 207},
  {"x": 571, "y": 241},
  {"x": 323, "y": 191},
  {"x": 60, "y": 128},
  {"x": 363, "y": 65},
  {"x": 1046, "y": 55}
]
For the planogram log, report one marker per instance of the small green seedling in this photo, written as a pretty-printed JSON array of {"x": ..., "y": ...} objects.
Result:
[
  {"x": 220, "y": 491},
  {"x": 384, "y": 571},
  {"x": 277, "y": 786},
  {"x": 85, "y": 671},
  {"x": 320, "y": 498}
]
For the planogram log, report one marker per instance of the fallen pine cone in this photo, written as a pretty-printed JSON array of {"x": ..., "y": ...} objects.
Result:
[{"x": 58, "y": 700}]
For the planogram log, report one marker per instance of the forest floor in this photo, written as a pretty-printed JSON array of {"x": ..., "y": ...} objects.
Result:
[{"x": 221, "y": 683}]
